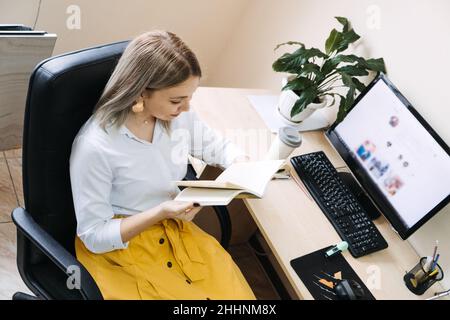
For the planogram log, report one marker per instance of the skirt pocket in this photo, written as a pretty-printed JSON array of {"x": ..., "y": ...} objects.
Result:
[
  {"x": 117, "y": 282},
  {"x": 150, "y": 291}
]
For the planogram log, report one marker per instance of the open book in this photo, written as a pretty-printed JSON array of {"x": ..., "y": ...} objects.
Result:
[{"x": 242, "y": 179}]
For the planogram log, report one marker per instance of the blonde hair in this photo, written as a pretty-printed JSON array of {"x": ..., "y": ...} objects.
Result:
[{"x": 154, "y": 60}]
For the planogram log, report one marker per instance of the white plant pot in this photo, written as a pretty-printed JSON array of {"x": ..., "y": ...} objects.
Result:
[{"x": 286, "y": 103}]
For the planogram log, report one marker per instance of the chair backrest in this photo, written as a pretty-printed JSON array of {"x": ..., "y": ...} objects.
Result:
[{"x": 62, "y": 93}]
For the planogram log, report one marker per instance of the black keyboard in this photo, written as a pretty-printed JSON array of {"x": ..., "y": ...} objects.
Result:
[{"x": 338, "y": 203}]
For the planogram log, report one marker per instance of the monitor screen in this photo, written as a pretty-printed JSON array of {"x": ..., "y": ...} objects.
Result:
[{"x": 399, "y": 160}]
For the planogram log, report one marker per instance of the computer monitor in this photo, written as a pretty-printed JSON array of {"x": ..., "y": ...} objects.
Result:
[{"x": 398, "y": 159}]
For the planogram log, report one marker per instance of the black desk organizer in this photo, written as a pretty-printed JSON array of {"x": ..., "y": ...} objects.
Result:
[
  {"x": 316, "y": 264},
  {"x": 422, "y": 281}
]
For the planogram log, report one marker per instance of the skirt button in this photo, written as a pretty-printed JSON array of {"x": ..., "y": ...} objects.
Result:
[{"x": 169, "y": 264}]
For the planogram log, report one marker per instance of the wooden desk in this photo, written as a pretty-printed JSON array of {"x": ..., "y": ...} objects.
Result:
[{"x": 291, "y": 223}]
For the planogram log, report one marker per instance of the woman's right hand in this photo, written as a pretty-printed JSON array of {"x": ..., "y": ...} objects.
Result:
[
  {"x": 176, "y": 209},
  {"x": 137, "y": 223}
]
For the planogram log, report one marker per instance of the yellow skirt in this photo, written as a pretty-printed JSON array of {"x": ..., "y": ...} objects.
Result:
[{"x": 173, "y": 259}]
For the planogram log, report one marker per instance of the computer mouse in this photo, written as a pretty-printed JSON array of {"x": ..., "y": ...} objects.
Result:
[{"x": 349, "y": 290}]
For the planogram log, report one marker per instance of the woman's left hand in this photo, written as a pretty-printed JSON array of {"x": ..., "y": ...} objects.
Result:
[{"x": 190, "y": 215}]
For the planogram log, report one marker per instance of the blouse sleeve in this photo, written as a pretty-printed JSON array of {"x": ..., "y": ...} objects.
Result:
[
  {"x": 209, "y": 145},
  {"x": 91, "y": 181}
]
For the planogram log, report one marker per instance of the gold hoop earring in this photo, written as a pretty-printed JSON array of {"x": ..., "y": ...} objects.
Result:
[{"x": 138, "y": 107}]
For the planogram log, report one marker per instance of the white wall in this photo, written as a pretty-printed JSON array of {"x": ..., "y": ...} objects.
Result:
[
  {"x": 413, "y": 38},
  {"x": 205, "y": 25}
]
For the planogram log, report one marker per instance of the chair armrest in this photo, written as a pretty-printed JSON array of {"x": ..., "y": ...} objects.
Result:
[{"x": 55, "y": 252}]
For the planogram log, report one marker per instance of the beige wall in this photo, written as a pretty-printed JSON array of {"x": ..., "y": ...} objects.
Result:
[
  {"x": 205, "y": 25},
  {"x": 412, "y": 38}
]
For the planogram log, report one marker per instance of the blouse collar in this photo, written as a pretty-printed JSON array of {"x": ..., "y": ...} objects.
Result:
[{"x": 123, "y": 130}]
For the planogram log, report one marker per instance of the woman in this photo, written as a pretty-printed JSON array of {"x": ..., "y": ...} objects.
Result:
[{"x": 133, "y": 238}]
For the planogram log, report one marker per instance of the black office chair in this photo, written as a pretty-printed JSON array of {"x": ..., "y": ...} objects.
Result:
[{"x": 62, "y": 93}]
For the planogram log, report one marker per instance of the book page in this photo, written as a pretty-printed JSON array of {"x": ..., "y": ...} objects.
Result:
[
  {"x": 207, "y": 197},
  {"x": 253, "y": 176},
  {"x": 208, "y": 184}
]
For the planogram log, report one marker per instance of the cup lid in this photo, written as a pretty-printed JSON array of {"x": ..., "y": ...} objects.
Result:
[{"x": 290, "y": 136}]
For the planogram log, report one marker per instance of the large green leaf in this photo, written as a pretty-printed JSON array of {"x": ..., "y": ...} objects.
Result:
[
  {"x": 293, "y": 62},
  {"x": 349, "y": 99},
  {"x": 376, "y": 65},
  {"x": 370, "y": 64},
  {"x": 351, "y": 58},
  {"x": 333, "y": 41},
  {"x": 309, "y": 68},
  {"x": 314, "y": 52},
  {"x": 351, "y": 82},
  {"x": 344, "y": 22},
  {"x": 358, "y": 84},
  {"x": 339, "y": 41},
  {"x": 289, "y": 43},
  {"x": 346, "y": 79},
  {"x": 298, "y": 84},
  {"x": 347, "y": 38},
  {"x": 345, "y": 104},
  {"x": 355, "y": 71},
  {"x": 306, "y": 97},
  {"x": 341, "y": 111},
  {"x": 330, "y": 64},
  {"x": 290, "y": 62}
]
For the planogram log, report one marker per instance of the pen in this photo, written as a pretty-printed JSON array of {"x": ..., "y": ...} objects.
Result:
[
  {"x": 438, "y": 295},
  {"x": 435, "y": 249},
  {"x": 428, "y": 263},
  {"x": 433, "y": 266},
  {"x": 282, "y": 175},
  {"x": 429, "y": 276},
  {"x": 413, "y": 281},
  {"x": 301, "y": 186},
  {"x": 329, "y": 291},
  {"x": 433, "y": 273}
]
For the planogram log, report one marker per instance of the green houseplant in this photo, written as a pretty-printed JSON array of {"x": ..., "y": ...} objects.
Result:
[{"x": 315, "y": 75}]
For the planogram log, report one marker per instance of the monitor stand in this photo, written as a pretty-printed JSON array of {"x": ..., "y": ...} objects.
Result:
[{"x": 360, "y": 195}]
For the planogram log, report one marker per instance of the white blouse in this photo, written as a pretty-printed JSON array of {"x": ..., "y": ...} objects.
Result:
[{"x": 115, "y": 172}]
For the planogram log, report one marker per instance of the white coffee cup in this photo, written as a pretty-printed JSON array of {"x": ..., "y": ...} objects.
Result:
[{"x": 286, "y": 141}]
